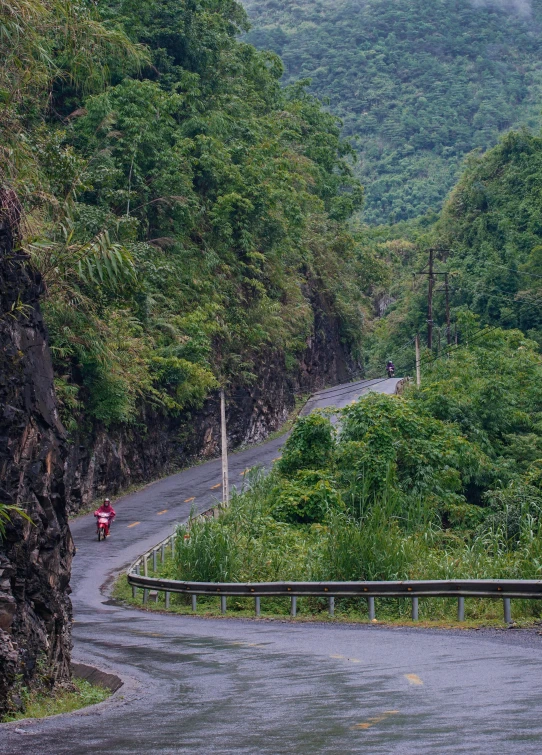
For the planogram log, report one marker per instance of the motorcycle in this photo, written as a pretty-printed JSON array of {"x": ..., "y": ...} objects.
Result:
[
  {"x": 391, "y": 372},
  {"x": 102, "y": 525}
]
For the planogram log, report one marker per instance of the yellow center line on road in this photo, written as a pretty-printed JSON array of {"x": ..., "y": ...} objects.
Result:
[
  {"x": 414, "y": 679},
  {"x": 247, "y": 470},
  {"x": 375, "y": 720},
  {"x": 133, "y": 524},
  {"x": 337, "y": 656},
  {"x": 187, "y": 500},
  {"x": 278, "y": 458},
  {"x": 162, "y": 512},
  {"x": 216, "y": 486}
]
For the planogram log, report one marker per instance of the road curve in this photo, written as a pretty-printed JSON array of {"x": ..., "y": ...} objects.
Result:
[{"x": 210, "y": 686}]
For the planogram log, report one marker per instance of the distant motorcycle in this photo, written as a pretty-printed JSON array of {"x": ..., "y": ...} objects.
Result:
[
  {"x": 390, "y": 370},
  {"x": 102, "y": 525}
]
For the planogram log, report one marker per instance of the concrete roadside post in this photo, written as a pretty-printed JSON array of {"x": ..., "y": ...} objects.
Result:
[{"x": 224, "y": 438}]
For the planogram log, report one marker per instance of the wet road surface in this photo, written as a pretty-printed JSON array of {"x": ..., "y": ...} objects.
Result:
[{"x": 210, "y": 686}]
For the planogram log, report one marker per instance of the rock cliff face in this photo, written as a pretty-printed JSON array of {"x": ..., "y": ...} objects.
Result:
[
  {"x": 104, "y": 462},
  {"x": 35, "y": 559}
]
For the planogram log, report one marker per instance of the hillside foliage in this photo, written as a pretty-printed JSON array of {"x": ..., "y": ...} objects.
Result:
[
  {"x": 440, "y": 483},
  {"x": 417, "y": 84},
  {"x": 489, "y": 240},
  {"x": 182, "y": 207}
]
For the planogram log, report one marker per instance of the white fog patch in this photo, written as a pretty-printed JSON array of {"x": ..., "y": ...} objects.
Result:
[{"x": 519, "y": 7}]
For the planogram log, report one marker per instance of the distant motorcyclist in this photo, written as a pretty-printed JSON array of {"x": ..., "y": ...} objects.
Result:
[
  {"x": 390, "y": 368},
  {"x": 106, "y": 510}
]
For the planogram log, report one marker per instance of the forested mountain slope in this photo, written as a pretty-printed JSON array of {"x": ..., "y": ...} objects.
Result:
[
  {"x": 488, "y": 238},
  {"x": 187, "y": 215},
  {"x": 417, "y": 84}
]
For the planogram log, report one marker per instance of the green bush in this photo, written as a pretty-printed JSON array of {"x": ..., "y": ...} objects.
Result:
[
  {"x": 306, "y": 499},
  {"x": 309, "y": 446}
]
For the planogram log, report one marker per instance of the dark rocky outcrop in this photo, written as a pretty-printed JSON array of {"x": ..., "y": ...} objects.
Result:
[
  {"x": 35, "y": 558},
  {"x": 104, "y": 461}
]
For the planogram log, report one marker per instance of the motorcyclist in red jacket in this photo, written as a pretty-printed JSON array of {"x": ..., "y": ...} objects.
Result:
[{"x": 106, "y": 510}]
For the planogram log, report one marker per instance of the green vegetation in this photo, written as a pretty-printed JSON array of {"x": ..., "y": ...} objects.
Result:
[
  {"x": 39, "y": 703},
  {"x": 488, "y": 238},
  {"x": 6, "y": 514},
  {"x": 441, "y": 483},
  {"x": 182, "y": 207},
  {"x": 417, "y": 84}
]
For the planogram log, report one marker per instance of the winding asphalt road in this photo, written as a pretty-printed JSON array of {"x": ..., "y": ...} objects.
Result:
[{"x": 209, "y": 686}]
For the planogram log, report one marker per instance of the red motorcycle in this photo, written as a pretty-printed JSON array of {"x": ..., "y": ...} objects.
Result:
[{"x": 102, "y": 525}]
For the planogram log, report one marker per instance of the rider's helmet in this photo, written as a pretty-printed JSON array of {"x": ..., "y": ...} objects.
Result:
[{"x": 107, "y": 502}]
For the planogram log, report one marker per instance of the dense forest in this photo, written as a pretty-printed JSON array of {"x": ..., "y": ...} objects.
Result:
[
  {"x": 182, "y": 207},
  {"x": 488, "y": 239},
  {"x": 417, "y": 84}
]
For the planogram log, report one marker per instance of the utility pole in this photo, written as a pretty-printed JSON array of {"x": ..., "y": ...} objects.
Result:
[
  {"x": 430, "y": 302},
  {"x": 418, "y": 371},
  {"x": 224, "y": 436},
  {"x": 448, "y": 328}
]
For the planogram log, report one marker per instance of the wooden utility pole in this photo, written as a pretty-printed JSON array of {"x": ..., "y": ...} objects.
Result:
[
  {"x": 430, "y": 302},
  {"x": 448, "y": 328},
  {"x": 224, "y": 436},
  {"x": 418, "y": 370}
]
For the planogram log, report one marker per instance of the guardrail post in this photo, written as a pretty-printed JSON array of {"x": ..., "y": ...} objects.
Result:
[
  {"x": 257, "y": 606},
  {"x": 461, "y": 609},
  {"x": 222, "y": 604},
  {"x": 163, "y": 553},
  {"x": 371, "y": 602},
  {"x": 146, "y": 574},
  {"x": 415, "y": 609},
  {"x": 154, "y": 559},
  {"x": 167, "y": 599},
  {"x": 293, "y": 608},
  {"x": 134, "y": 588},
  {"x": 194, "y": 603},
  {"x": 507, "y": 611},
  {"x": 331, "y": 606}
]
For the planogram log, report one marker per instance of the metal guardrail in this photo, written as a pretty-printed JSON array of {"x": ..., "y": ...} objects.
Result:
[{"x": 505, "y": 589}]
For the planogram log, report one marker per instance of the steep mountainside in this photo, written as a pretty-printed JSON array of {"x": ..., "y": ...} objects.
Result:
[
  {"x": 35, "y": 558},
  {"x": 188, "y": 216},
  {"x": 488, "y": 238},
  {"x": 417, "y": 84}
]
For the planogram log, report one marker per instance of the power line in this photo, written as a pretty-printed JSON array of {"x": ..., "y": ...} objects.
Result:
[{"x": 513, "y": 270}]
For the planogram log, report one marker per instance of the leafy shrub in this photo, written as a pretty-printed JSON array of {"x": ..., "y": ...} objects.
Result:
[
  {"x": 310, "y": 445},
  {"x": 307, "y": 498}
]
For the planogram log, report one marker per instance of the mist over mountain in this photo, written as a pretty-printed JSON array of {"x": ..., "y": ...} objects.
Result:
[
  {"x": 521, "y": 7},
  {"x": 417, "y": 84}
]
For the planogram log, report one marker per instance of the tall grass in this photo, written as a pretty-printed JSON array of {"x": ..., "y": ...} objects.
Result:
[{"x": 388, "y": 539}]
